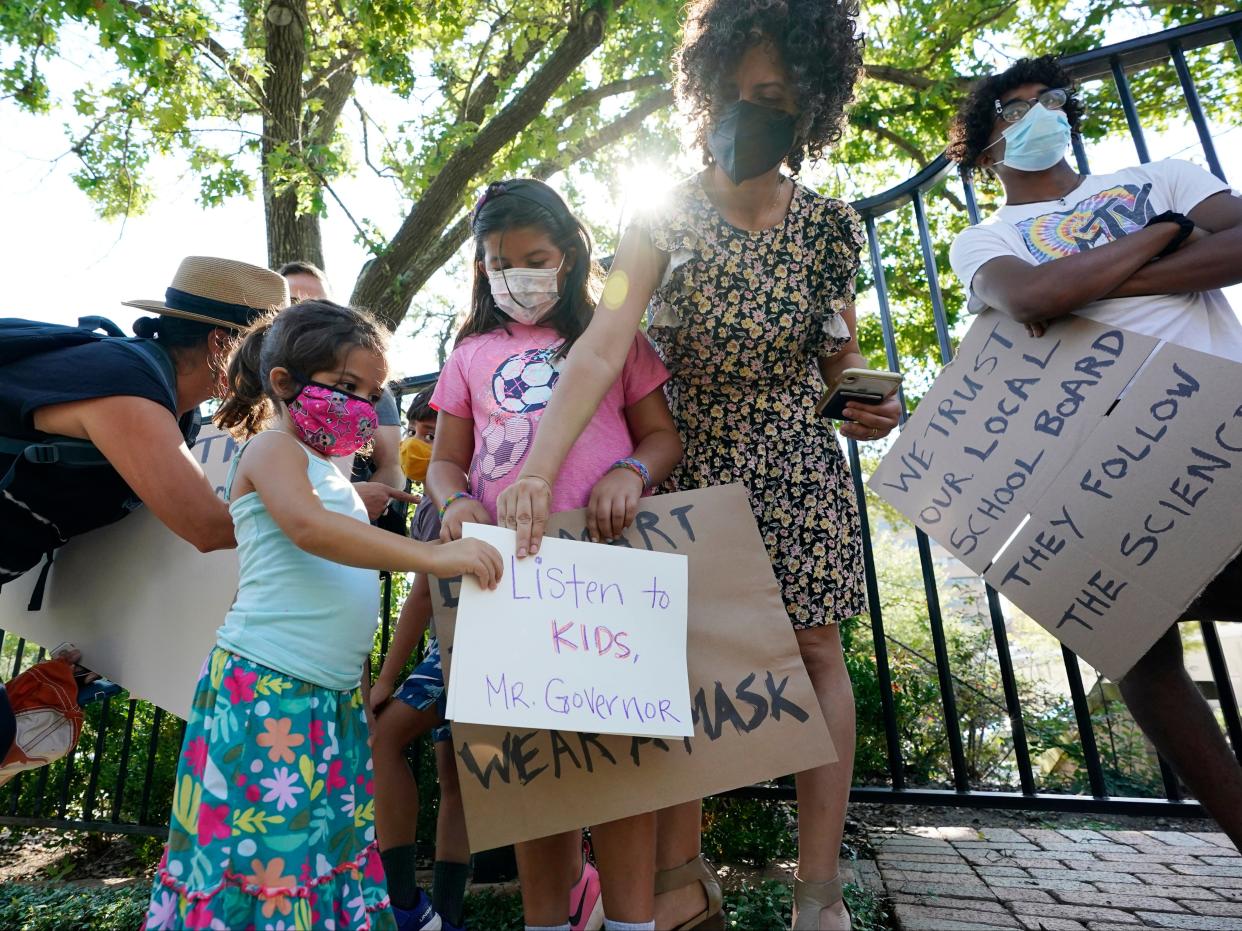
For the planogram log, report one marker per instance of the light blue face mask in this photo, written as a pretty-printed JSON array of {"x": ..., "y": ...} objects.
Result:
[{"x": 1037, "y": 141}]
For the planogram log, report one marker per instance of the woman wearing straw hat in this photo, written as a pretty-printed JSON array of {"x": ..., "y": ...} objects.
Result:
[{"x": 135, "y": 402}]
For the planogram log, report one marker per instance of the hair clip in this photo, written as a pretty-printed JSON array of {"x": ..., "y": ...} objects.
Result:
[{"x": 494, "y": 189}]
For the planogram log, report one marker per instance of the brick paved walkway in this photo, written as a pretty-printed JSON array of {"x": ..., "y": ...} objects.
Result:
[{"x": 1068, "y": 880}]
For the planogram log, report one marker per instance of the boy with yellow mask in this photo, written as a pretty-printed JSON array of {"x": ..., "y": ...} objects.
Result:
[{"x": 419, "y": 432}]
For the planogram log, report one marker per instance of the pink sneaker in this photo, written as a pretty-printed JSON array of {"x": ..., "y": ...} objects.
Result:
[{"x": 586, "y": 905}]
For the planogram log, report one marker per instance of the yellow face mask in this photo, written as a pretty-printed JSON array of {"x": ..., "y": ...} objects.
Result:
[{"x": 415, "y": 457}]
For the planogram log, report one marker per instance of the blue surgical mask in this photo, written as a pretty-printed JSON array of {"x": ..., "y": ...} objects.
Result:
[{"x": 1037, "y": 141}]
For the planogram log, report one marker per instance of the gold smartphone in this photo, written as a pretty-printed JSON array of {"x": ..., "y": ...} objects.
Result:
[{"x": 866, "y": 386}]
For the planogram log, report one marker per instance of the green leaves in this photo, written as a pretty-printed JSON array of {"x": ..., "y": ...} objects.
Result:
[
  {"x": 255, "y": 821},
  {"x": 50, "y": 907},
  {"x": 191, "y": 79}
]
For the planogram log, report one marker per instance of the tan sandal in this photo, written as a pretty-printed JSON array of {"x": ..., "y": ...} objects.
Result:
[
  {"x": 700, "y": 871},
  {"x": 812, "y": 898}
]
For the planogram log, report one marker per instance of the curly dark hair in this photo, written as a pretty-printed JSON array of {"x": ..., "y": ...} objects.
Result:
[
  {"x": 971, "y": 127},
  {"x": 817, "y": 41}
]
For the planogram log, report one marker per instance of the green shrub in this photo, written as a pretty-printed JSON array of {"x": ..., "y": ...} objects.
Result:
[
  {"x": 768, "y": 907},
  {"x": 760, "y": 907},
  {"x": 755, "y": 833},
  {"x": 494, "y": 911},
  {"x": 54, "y": 907}
]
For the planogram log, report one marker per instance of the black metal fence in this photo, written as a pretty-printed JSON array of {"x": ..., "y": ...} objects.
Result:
[
  {"x": 119, "y": 779},
  {"x": 1116, "y": 62}
]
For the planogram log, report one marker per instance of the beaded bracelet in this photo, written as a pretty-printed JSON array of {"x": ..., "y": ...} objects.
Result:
[
  {"x": 636, "y": 467},
  {"x": 455, "y": 496}
]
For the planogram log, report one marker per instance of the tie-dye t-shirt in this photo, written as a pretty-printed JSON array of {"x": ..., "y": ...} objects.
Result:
[
  {"x": 503, "y": 381},
  {"x": 1105, "y": 208}
]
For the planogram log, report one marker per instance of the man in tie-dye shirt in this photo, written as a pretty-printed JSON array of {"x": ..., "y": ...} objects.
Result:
[{"x": 1146, "y": 248}]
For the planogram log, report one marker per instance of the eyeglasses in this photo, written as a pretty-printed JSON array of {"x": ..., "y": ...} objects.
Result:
[{"x": 1053, "y": 99}]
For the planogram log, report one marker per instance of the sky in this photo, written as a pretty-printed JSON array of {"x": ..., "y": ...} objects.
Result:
[{"x": 61, "y": 261}]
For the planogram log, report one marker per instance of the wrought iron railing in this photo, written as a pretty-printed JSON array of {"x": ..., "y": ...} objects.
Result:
[
  {"x": 1113, "y": 62},
  {"x": 132, "y": 748}
]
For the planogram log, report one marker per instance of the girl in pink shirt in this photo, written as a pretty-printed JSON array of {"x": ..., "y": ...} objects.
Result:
[{"x": 534, "y": 291}]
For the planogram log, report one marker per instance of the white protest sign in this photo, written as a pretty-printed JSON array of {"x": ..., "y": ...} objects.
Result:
[
  {"x": 142, "y": 604},
  {"x": 1019, "y": 464},
  {"x": 754, "y": 711},
  {"x": 582, "y": 637}
]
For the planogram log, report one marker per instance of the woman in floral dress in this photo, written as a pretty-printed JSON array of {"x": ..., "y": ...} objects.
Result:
[{"x": 748, "y": 278}]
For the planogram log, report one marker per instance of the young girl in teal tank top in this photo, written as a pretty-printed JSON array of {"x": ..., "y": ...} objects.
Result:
[{"x": 273, "y": 815}]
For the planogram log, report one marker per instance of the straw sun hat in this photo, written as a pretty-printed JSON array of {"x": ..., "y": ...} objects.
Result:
[{"x": 220, "y": 292}]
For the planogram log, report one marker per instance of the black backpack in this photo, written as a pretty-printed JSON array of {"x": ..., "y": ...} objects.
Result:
[{"x": 20, "y": 339}]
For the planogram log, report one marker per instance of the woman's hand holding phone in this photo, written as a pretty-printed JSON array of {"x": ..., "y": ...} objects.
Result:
[
  {"x": 867, "y": 401},
  {"x": 871, "y": 421}
]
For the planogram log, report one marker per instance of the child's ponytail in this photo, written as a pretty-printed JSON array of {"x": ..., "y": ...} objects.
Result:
[
  {"x": 246, "y": 407},
  {"x": 309, "y": 337}
]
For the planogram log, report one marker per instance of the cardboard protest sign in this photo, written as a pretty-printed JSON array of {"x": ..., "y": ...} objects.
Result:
[
  {"x": 754, "y": 712},
  {"x": 581, "y": 637},
  {"x": 999, "y": 424},
  {"x": 1146, "y": 513},
  {"x": 142, "y": 604},
  {"x": 1023, "y": 464}
]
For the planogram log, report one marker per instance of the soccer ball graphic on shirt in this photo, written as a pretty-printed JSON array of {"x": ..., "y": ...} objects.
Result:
[
  {"x": 521, "y": 386},
  {"x": 523, "y": 383},
  {"x": 505, "y": 441}
]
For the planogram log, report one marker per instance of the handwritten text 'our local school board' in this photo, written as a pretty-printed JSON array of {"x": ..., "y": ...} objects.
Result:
[{"x": 1023, "y": 463}]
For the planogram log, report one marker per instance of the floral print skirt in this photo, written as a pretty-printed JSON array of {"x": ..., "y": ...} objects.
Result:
[{"x": 273, "y": 822}]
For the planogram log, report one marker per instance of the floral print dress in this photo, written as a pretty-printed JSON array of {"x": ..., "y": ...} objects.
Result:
[
  {"x": 740, "y": 320},
  {"x": 273, "y": 814},
  {"x": 273, "y": 820}
]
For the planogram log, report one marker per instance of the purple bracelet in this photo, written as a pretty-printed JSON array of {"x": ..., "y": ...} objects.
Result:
[{"x": 636, "y": 467}]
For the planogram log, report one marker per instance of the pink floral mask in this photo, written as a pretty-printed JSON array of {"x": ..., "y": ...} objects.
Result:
[{"x": 331, "y": 421}]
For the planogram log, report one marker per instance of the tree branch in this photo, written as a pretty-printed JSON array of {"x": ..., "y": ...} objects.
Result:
[
  {"x": 372, "y": 245},
  {"x": 920, "y": 159},
  {"x": 432, "y": 258},
  {"x": 78, "y": 144},
  {"x": 484, "y": 47},
  {"x": 365, "y": 118},
  {"x": 615, "y": 131},
  {"x": 952, "y": 199},
  {"x": 443, "y": 249},
  {"x": 385, "y": 286},
  {"x": 210, "y": 46},
  {"x": 335, "y": 94},
  {"x": 291, "y": 234},
  {"x": 325, "y": 74},
  {"x": 974, "y": 27},
  {"x": 900, "y": 142},
  {"x": 29, "y": 89},
  {"x": 595, "y": 95},
  {"x": 476, "y": 101},
  {"x": 446, "y": 334},
  {"x": 893, "y": 75}
]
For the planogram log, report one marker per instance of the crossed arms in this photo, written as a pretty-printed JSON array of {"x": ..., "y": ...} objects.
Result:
[{"x": 1210, "y": 258}]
